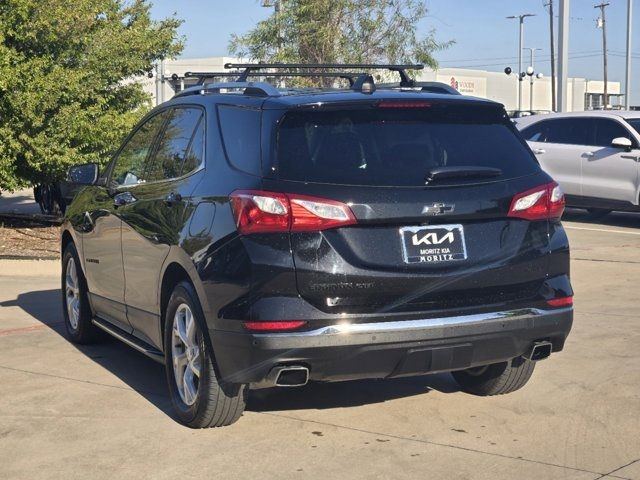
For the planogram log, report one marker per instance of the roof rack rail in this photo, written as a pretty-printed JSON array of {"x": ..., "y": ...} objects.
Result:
[
  {"x": 405, "y": 80},
  {"x": 260, "y": 89},
  {"x": 201, "y": 76}
]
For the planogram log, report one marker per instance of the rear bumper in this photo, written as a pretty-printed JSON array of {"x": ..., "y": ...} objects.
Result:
[{"x": 391, "y": 349}]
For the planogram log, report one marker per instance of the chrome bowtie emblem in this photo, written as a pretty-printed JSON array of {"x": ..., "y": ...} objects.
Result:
[{"x": 438, "y": 209}]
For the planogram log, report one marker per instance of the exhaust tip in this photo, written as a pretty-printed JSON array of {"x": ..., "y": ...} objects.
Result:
[
  {"x": 292, "y": 376},
  {"x": 540, "y": 351}
]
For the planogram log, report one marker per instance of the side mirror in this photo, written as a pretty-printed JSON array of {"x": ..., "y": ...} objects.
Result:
[
  {"x": 86, "y": 174},
  {"x": 622, "y": 142}
]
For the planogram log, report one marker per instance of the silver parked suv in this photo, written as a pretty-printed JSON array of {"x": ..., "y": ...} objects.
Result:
[{"x": 594, "y": 156}]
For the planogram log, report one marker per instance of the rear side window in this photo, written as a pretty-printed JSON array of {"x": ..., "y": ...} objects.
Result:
[
  {"x": 396, "y": 146},
  {"x": 240, "y": 128},
  {"x": 607, "y": 130},
  {"x": 174, "y": 143}
]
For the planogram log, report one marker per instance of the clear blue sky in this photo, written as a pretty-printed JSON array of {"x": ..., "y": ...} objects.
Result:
[{"x": 484, "y": 38}]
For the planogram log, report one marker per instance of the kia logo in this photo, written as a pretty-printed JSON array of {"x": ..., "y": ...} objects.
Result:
[{"x": 432, "y": 238}]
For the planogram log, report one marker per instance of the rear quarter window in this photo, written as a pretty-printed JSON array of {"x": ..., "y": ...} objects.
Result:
[
  {"x": 397, "y": 146},
  {"x": 240, "y": 130}
]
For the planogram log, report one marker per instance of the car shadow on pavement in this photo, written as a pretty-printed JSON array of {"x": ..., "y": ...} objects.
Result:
[
  {"x": 613, "y": 219},
  {"x": 319, "y": 396},
  {"x": 147, "y": 377},
  {"x": 140, "y": 373}
]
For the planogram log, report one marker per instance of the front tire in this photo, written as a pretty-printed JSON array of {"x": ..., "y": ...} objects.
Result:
[
  {"x": 199, "y": 398},
  {"x": 75, "y": 300},
  {"x": 496, "y": 379}
]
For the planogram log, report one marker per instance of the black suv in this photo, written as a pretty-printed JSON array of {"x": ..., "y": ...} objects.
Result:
[{"x": 250, "y": 236}]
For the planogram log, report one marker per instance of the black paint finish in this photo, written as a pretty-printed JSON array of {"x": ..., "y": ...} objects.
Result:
[{"x": 185, "y": 228}]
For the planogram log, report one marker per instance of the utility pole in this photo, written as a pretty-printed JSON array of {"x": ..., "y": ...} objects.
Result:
[
  {"x": 553, "y": 56},
  {"x": 563, "y": 55},
  {"x": 602, "y": 24},
  {"x": 530, "y": 72},
  {"x": 520, "y": 43},
  {"x": 277, "y": 7},
  {"x": 627, "y": 86}
]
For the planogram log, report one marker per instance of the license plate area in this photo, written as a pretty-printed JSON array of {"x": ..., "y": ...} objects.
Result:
[{"x": 433, "y": 244}]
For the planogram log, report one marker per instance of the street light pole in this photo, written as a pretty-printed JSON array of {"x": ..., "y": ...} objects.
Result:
[
  {"x": 532, "y": 53},
  {"x": 520, "y": 43},
  {"x": 563, "y": 55},
  {"x": 627, "y": 86},
  {"x": 553, "y": 56}
]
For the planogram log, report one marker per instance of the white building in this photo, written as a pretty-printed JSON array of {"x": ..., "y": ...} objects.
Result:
[{"x": 583, "y": 94}]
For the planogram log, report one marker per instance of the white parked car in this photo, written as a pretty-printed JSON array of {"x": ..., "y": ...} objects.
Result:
[{"x": 594, "y": 156}]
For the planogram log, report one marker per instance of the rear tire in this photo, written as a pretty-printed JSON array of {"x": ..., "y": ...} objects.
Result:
[
  {"x": 199, "y": 397},
  {"x": 496, "y": 379},
  {"x": 75, "y": 300}
]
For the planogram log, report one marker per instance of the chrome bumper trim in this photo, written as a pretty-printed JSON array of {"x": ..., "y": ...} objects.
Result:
[{"x": 419, "y": 324}]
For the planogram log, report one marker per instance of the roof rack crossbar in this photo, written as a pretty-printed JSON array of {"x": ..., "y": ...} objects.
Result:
[
  {"x": 367, "y": 66},
  {"x": 405, "y": 80}
]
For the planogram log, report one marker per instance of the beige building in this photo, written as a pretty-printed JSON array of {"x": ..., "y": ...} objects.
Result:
[{"x": 583, "y": 94}]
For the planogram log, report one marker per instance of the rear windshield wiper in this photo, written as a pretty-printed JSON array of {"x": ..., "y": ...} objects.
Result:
[{"x": 440, "y": 173}]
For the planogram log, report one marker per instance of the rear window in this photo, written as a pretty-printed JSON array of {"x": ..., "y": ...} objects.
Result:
[{"x": 396, "y": 146}]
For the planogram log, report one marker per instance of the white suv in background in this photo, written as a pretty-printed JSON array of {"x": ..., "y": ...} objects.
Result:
[{"x": 594, "y": 156}]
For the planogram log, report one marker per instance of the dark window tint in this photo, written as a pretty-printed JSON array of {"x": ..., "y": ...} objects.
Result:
[
  {"x": 537, "y": 132},
  {"x": 397, "y": 146},
  {"x": 635, "y": 123},
  {"x": 607, "y": 130},
  {"x": 570, "y": 131},
  {"x": 131, "y": 162},
  {"x": 241, "y": 136},
  {"x": 174, "y": 142},
  {"x": 195, "y": 155}
]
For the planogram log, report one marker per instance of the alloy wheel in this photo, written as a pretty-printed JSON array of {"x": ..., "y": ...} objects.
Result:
[
  {"x": 185, "y": 352},
  {"x": 72, "y": 293}
]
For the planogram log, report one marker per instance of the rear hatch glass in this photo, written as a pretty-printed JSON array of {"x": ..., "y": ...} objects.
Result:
[{"x": 398, "y": 146}]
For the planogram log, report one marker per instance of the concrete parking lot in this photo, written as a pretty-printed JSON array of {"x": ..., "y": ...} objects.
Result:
[{"x": 103, "y": 411}]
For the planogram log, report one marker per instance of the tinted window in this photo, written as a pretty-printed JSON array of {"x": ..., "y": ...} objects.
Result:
[
  {"x": 241, "y": 137},
  {"x": 195, "y": 155},
  {"x": 570, "y": 131},
  {"x": 174, "y": 142},
  {"x": 537, "y": 132},
  {"x": 397, "y": 146},
  {"x": 607, "y": 130},
  {"x": 635, "y": 123},
  {"x": 131, "y": 162}
]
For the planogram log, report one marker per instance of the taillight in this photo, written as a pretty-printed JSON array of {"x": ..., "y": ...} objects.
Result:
[
  {"x": 561, "y": 302},
  {"x": 256, "y": 211},
  {"x": 540, "y": 203},
  {"x": 277, "y": 326}
]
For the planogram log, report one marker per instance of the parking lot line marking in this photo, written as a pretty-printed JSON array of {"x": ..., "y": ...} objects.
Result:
[
  {"x": 17, "y": 331},
  {"x": 601, "y": 230}
]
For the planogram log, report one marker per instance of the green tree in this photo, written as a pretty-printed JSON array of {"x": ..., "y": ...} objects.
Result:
[
  {"x": 66, "y": 94},
  {"x": 350, "y": 31}
]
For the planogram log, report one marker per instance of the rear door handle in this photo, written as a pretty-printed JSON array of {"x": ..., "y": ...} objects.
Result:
[
  {"x": 124, "y": 198},
  {"x": 173, "y": 197},
  {"x": 588, "y": 154},
  {"x": 539, "y": 151}
]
